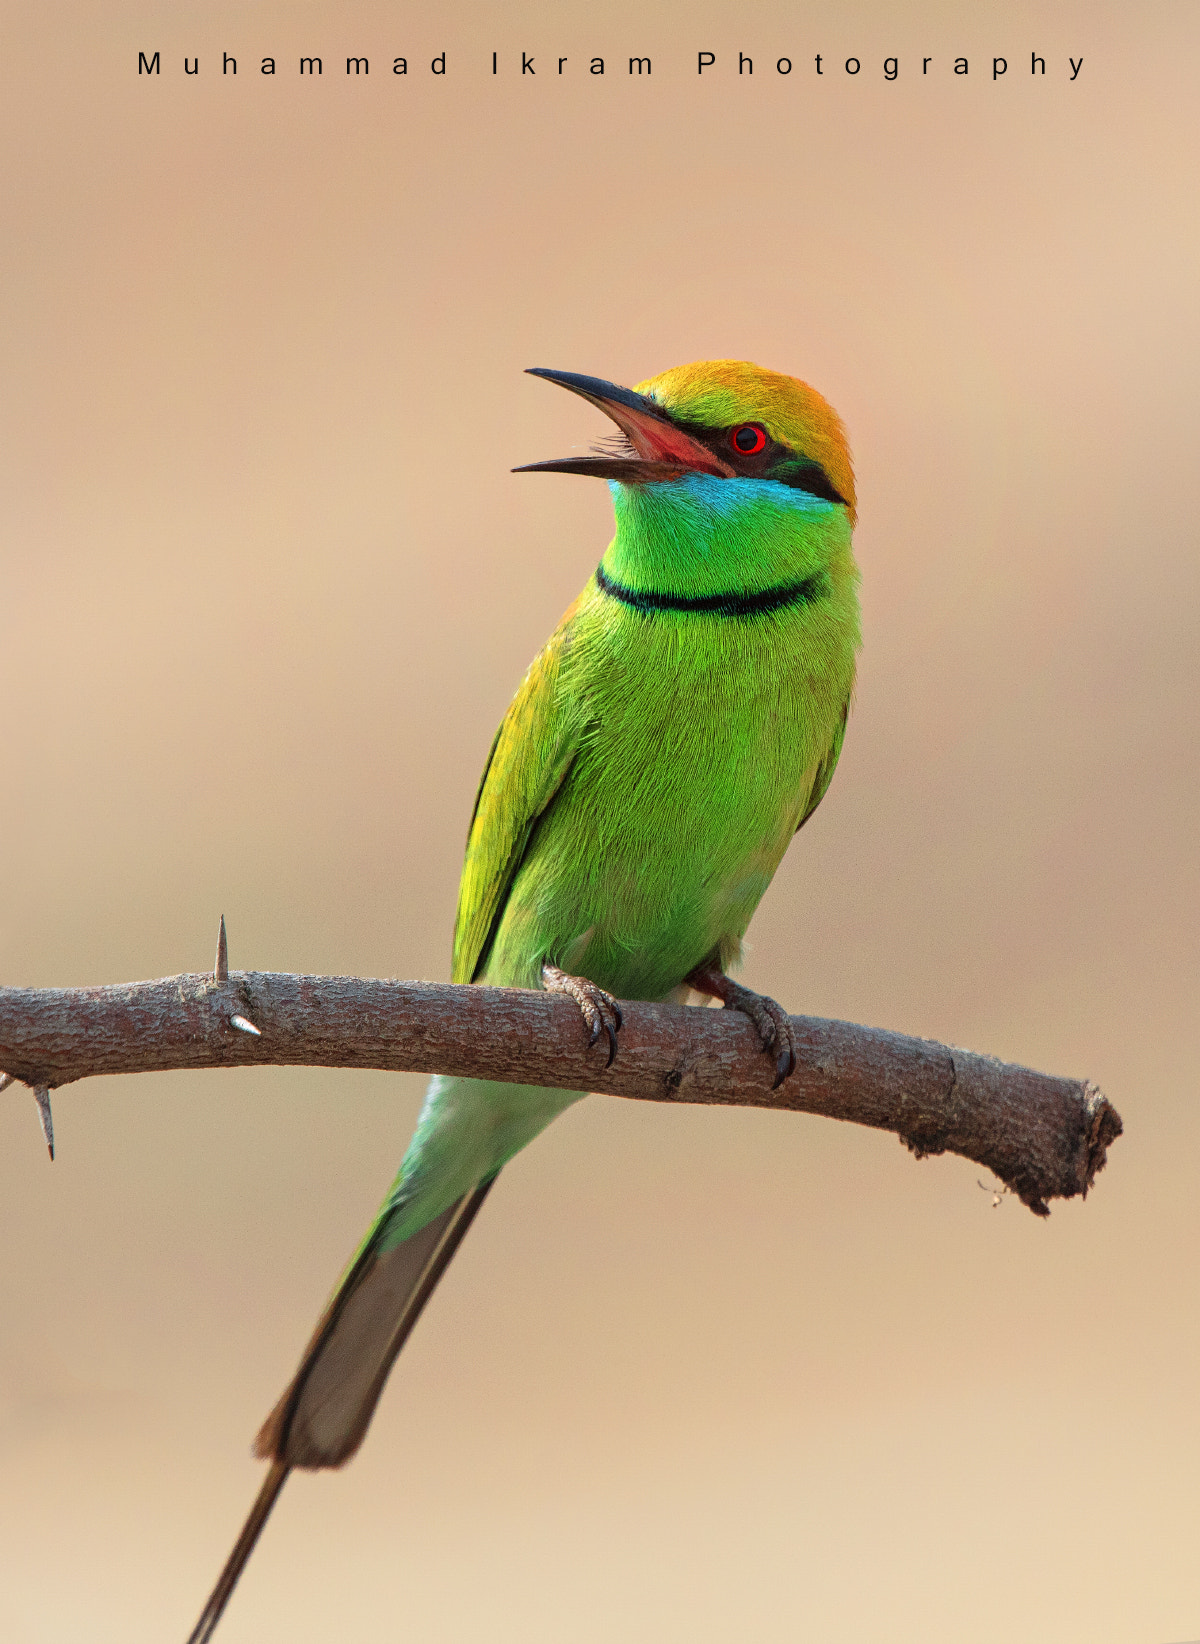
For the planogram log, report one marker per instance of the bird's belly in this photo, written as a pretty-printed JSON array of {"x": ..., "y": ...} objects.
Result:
[{"x": 660, "y": 845}]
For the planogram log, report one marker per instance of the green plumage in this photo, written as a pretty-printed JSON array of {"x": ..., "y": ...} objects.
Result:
[
  {"x": 655, "y": 762},
  {"x": 654, "y": 766},
  {"x": 644, "y": 785},
  {"x": 681, "y": 723}
]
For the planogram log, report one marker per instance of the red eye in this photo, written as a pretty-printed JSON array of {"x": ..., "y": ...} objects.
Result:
[{"x": 749, "y": 439}]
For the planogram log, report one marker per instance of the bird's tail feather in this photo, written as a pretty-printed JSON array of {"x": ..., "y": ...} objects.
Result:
[
  {"x": 467, "y": 1130},
  {"x": 322, "y": 1417},
  {"x": 242, "y": 1548}
]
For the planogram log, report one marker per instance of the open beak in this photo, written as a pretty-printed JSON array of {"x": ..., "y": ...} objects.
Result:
[{"x": 661, "y": 450}]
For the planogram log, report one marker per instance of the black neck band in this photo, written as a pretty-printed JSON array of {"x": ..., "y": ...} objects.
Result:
[{"x": 728, "y": 604}]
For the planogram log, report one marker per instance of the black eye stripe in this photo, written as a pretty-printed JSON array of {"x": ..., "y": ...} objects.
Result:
[
  {"x": 780, "y": 464},
  {"x": 810, "y": 477}
]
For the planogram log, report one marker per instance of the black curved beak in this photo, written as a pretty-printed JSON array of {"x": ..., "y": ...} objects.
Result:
[{"x": 661, "y": 449}]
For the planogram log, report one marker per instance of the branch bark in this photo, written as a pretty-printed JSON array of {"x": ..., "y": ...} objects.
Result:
[{"x": 1044, "y": 1137}]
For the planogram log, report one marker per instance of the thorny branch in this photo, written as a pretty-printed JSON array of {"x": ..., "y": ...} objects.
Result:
[{"x": 1043, "y": 1137}]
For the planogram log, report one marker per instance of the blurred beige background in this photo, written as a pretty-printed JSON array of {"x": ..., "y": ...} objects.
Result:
[{"x": 267, "y": 586}]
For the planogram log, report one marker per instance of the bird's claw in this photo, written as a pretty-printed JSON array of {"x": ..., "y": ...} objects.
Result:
[
  {"x": 770, "y": 1020},
  {"x": 599, "y": 1010},
  {"x": 774, "y": 1029}
]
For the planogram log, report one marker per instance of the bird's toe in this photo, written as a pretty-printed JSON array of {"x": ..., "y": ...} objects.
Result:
[
  {"x": 770, "y": 1020},
  {"x": 599, "y": 1009}
]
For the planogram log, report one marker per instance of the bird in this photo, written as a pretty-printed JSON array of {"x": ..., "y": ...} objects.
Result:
[{"x": 679, "y": 726}]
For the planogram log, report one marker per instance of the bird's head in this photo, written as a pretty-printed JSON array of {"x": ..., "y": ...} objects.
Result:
[{"x": 724, "y": 418}]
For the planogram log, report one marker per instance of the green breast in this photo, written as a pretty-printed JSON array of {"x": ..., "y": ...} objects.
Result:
[{"x": 699, "y": 735}]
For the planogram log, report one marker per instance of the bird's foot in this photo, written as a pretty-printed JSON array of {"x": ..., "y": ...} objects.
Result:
[
  {"x": 774, "y": 1029},
  {"x": 599, "y": 1010}
]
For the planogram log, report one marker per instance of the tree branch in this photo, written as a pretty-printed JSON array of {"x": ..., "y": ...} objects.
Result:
[{"x": 1044, "y": 1137}]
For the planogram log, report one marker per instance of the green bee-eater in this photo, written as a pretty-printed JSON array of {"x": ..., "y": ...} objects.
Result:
[{"x": 681, "y": 723}]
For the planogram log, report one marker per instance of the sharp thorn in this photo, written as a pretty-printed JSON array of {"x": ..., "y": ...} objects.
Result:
[
  {"x": 41, "y": 1096},
  {"x": 7, "y": 1079},
  {"x": 243, "y": 1025},
  {"x": 221, "y": 968}
]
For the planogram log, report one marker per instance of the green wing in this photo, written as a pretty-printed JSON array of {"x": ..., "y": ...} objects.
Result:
[
  {"x": 533, "y": 751},
  {"x": 825, "y": 769}
]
